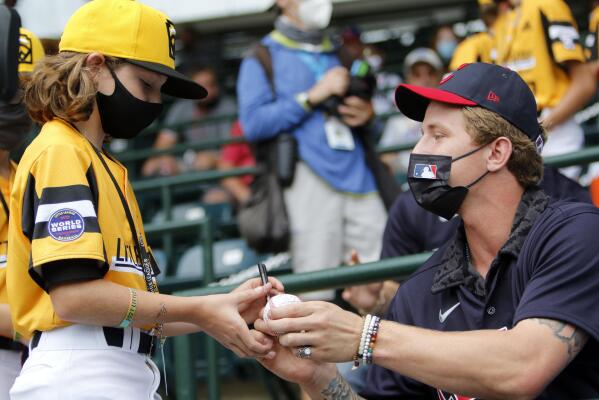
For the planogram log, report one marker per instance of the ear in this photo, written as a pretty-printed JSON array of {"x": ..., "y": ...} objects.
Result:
[
  {"x": 501, "y": 151},
  {"x": 95, "y": 60}
]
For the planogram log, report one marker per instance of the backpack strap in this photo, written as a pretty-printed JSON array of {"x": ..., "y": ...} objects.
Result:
[{"x": 261, "y": 53}]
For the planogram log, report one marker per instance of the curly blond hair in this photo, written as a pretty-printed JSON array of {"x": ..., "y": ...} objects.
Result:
[{"x": 62, "y": 86}]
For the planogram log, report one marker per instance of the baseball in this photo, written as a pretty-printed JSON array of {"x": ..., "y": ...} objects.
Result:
[{"x": 278, "y": 301}]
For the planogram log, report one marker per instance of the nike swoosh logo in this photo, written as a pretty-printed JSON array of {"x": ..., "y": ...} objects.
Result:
[{"x": 443, "y": 315}]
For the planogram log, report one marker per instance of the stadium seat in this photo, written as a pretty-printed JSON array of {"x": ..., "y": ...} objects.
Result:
[{"x": 229, "y": 256}]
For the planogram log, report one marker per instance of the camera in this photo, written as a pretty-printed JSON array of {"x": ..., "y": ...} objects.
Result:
[{"x": 362, "y": 84}]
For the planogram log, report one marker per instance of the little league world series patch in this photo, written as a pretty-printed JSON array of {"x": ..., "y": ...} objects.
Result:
[{"x": 66, "y": 225}]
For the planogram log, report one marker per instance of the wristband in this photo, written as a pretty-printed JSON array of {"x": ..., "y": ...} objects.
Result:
[{"x": 131, "y": 310}]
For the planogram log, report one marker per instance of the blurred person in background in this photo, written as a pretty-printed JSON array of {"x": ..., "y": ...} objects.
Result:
[
  {"x": 15, "y": 125},
  {"x": 183, "y": 111},
  {"x": 386, "y": 81},
  {"x": 422, "y": 67},
  {"x": 540, "y": 41},
  {"x": 444, "y": 43},
  {"x": 236, "y": 155},
  {"x": 333, "y": 204},
  {"x": 480, "y": 47}
]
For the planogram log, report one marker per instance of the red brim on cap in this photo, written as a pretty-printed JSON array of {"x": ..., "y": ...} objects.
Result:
[{"x": 413, "y": 100}]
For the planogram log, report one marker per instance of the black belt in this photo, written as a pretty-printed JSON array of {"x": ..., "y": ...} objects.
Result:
[
  {"x": 114, "y": 337},
  {"x": 9, "y": 344}
]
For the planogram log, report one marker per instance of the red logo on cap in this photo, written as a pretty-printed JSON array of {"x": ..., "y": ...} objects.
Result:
[
  {"x": 446, "y": 78},
  {"x": 493, "y": 97}
]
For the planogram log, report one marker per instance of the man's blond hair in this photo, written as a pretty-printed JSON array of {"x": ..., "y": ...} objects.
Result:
[{"x": 525, "y": 163}]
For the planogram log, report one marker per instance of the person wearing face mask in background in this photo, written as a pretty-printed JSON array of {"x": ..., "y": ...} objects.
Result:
[
  {"x": 333, "y": 204},
  {"x": 81, "y": 278},
  {"x": 445, "y": 42},
  {"x": 15, "y": 124},
  {"x": 506, "y": 308}
]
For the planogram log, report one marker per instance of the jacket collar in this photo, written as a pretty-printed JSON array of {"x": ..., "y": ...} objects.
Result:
[{"x": 454, "y": 269}]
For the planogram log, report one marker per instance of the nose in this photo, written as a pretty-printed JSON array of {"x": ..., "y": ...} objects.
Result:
[{"x": 421, "y": 146}]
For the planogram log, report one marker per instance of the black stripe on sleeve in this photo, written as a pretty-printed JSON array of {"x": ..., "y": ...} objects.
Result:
[
  {"x": 54, "y": 273},
  {"x": 29, "y": 207},
  {"x": 65, "y": 194}
]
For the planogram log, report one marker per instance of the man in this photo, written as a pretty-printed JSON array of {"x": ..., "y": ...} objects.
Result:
[
  {"x": 333, "y": 204},
  {"x": 422, "y": 67},
  {"x": 504, "y": 310},
  {"x": 480, "y": 47},
  {"x": 540, "y": 41},
  {"x": 215, "y": 104}
]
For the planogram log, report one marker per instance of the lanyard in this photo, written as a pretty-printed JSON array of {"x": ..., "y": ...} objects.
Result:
[
  {"x": 138, "y": 240},
  {"x": 317, "y": 63}
]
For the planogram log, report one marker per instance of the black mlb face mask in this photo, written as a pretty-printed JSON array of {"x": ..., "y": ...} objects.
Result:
[{"x": 428, "y": 177}]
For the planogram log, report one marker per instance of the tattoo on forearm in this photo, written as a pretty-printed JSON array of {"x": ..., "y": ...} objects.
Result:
[
  {"x": 571, "y": 336},
  {"x": 161, "y": 316},
  {"x": 339, "y": 389}
]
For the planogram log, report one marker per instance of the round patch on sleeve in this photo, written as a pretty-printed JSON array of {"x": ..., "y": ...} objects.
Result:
[{"x": 66, "y": 225}]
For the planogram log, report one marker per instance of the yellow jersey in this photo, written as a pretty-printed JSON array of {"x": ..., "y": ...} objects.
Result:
[
  {"x": 5, "y": 188},
  {"x": 479, "y": 47},
  {"x": 537, "y": 38},
  {"x": 67, "y": 223}
]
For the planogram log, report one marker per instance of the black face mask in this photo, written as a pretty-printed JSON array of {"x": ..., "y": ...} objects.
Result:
[
  {"x": 123, "y": 115},
  {"x": 428, "y": 177},
  {"x": 15, "y": 124}
]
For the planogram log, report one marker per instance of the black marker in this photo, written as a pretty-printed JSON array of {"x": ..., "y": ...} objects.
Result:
[{"x": 263, "y": 276}]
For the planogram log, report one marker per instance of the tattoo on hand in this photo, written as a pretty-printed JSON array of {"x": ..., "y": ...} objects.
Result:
[
  {"x": 161, "y": 316},
  {"x": 573, "y": 337},
  {"x": 339, "y": 389}
]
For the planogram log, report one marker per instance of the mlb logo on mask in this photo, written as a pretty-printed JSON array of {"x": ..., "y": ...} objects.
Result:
[{"x": 425, "y": 171}]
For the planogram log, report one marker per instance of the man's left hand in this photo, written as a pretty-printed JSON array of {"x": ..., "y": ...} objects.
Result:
[
  {"x": 356, "y": 112},
  {"x": 332, "y": 333}
]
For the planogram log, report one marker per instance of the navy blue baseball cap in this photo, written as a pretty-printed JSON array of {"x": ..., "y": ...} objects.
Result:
[{"x": 490, "y": 86}]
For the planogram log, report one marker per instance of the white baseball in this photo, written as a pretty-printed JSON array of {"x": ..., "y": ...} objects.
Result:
[{"x": 278, "y": 301}]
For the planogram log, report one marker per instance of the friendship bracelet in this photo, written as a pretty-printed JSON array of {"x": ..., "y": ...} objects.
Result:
[
  {"x": 373, "y": 334},
  {"x": 358, "y": 356},
  {"x": 131, "y": 310}
]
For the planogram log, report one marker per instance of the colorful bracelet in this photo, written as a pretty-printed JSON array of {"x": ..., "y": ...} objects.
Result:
[
  {"x": 371, "y": 340},
  {"x": 131, "y": 310}
]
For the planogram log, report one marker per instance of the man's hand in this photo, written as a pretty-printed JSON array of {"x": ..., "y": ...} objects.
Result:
[
  {"x": 334, "y": 83},
  {"x": 355, "y": 111},
  {"x": 332, "y": 333}
]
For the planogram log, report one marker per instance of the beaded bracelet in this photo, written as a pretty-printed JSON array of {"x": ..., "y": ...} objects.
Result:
[
  {"x": 372, "y": 336},
  {"x": 131, "y": 310},
  {"x": 358, "y": 356}
]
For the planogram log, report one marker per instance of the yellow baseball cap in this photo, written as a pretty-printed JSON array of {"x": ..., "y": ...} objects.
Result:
[
  {"x": 132, "y": 31},
  {"x": 30, "y": 50},
  {"x": 485, "y": 2}
]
